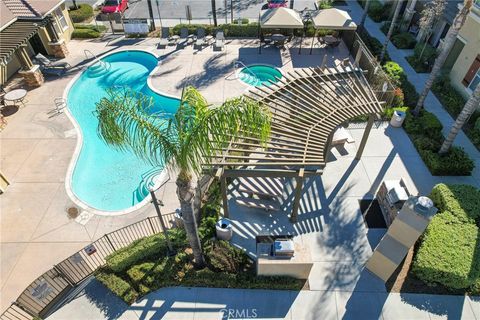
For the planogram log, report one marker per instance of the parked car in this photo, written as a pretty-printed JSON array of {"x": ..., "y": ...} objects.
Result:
[
  {"x": 277, "y": 3},
  {"x": 112, "y": 6}
]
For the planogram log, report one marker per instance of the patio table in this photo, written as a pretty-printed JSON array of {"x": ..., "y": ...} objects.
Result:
[
  {"x": 278, "y": 37},
  {"x": 15, "y": 96}
]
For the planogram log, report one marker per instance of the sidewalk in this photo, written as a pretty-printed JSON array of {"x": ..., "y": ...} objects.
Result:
[
  {"x": 418, "y": 80},
  {"x": 96, "y": 302}
]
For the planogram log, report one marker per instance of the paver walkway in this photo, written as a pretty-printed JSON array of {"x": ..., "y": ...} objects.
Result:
[
  {"x": 95, "y": 302},
  {"x": 418, "y": 80}
]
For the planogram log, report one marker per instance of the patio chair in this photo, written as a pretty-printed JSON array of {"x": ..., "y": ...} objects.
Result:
[
  {"x": 164, "y": 37},
  {"x": 184, "y": 38},
  {"x": 47, "y": 63},
  {"x": 53, "y": 71},
  {"x": 200, "y": 42},
  {"x": 219, "y": 40}
]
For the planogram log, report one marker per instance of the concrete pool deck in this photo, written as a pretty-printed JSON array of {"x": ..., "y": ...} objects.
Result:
[{"x": 36, "y": 150}]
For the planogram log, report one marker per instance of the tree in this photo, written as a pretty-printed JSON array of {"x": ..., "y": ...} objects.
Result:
[
  {"x": 471, "y": 105},
  {"x": 194, "y": 133},
  {"x": 364, "y": 14},
  {"x": 150, "y": 13},
  {"x": 449, "y": 41},
  {"x": 392, "y": 27},
  {"x": 214, "y": 12},
  {"x": 429, "y": 17}
]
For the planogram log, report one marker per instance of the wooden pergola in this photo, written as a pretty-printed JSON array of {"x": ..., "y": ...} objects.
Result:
[{"x": 307, "y": 106}]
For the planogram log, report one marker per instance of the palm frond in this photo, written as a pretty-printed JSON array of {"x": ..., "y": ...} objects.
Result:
[{"x": 125, "y": 122}]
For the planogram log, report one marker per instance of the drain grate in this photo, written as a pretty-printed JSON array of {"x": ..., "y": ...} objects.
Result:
[{"x": 72, "y": 212}]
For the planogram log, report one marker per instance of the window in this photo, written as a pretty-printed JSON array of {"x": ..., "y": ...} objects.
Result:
[
  {"x": 61, "y": 18},
  {"x": 476, "y": 80}
]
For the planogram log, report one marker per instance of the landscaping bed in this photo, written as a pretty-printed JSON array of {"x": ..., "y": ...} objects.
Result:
[
  {"x": 423, "y": 58},
  {"x": 401, "y": 40},
  {"x": 446, "y": 260},
  {"x": 83, "y": 13},
  {"x": 454, "y": 102},
  {"x": 144, "y": 266}
]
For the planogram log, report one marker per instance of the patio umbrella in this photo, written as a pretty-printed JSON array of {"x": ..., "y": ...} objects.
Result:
[
  {"x": 279, "y": 18},
  {"x": 333, "y": 18}
]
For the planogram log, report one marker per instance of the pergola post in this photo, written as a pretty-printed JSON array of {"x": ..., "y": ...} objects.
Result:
[
  {"x": 366, "y": 133},
  {"x": 313, "y": 41},
  {"x": 358, "y": 56},
  {"x": 25, "y": 60},
  {"x": 223, "y": 187},
  {"x": 298, "y": 195},
  {"x": 324, "y": 62}
]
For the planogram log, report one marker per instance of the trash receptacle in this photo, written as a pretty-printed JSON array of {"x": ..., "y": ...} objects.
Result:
[
  {"x": 224, "y": 229},
  {"x": 397, "y": 118},
  {"x": 178, "y": 218}
]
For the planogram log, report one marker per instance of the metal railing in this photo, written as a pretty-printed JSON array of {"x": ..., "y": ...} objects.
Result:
[{"x": 43, "y": 293}]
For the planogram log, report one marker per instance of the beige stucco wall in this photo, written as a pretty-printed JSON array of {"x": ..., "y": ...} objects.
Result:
[
  {"x": 67, "y": 33},
  {"x": 470, "y": 35},
  {"x": 14, "y": 64}
]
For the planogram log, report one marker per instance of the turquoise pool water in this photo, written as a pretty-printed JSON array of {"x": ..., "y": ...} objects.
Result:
[
  {"x": 104, "y": 178},
  {"x": 259, "y": 74}
]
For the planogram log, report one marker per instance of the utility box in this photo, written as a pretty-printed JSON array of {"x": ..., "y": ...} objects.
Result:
[{"x": 406, "y": 228}]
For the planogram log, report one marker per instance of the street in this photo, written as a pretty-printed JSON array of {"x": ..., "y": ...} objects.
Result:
[{"x": 200, "y": 9}]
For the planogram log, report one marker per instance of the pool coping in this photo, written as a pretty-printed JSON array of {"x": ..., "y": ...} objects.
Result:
[{"x": 78, "y": 147}]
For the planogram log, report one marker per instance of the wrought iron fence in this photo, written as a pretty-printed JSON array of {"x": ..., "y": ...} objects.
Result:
[{"x": 44, "y": 292}]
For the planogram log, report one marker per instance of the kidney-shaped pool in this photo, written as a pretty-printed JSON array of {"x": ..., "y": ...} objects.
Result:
[{"x": 104, "y": 178}]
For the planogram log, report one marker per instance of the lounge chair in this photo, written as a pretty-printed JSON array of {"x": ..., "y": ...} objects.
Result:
[
  {"x": 219, "y": 40},
  {"x": 200, "y": 42},
  {"x": 164, "y": 37},
  {"x": 47, "y": 63},
  {"x": 54, "y": 71},
  {"x": 184, "y": 38}
]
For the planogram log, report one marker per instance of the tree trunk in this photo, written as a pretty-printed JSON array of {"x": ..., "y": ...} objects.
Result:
[
  {"x": 150, "y": 13},
  {"x": 450, "y": 38},
  {"x": 214, "y": 13},
  {"x": 472, "y": 104},
  {"x": 185, "y": 195},
  {"x": 202, "y": 186},
  {"x": 390, "y": 30},
  {"x": 75, "y": 4},
  {"x": 364, "y": 15},
  {"x": 292, "y": 3}
]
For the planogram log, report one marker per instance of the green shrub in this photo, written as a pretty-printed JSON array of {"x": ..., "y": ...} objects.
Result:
[
  {"x": 325, "y": 4},
  {"x": 395, "y": 72},
  {"x": 118, "y": 286},
  {"x": 410, "y": 93},
  {"x": 192, "y": 28},
  {"x": 224, "y": 257},
  {"x": 455, "y": 163},
  {"x": 374, "y": 45},
  {"x": 404, "y": 40},
  {"x": 85, "y": 34},
  {"x": 463, "y": 201},
  {"x": 242, "y": 21},
  {"x": 98, "y": 28},
  {"x": 388, "y": 112},
  {"x": 425, "y": 124},
  {"x": 83, "y": 13},
  {"x": 230, "y": 30},
  {"x": 448, "y": 253},
  {"x": 449, "y": 97},
  {"x": 138, "y": 272},
  {"x": 379, "y": 12}
]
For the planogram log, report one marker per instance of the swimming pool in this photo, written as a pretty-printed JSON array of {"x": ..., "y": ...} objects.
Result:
[
  {"x": 104, "y": 178},
  {"x": 259, "y": 74}
]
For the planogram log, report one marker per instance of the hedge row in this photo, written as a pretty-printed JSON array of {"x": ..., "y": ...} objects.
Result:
[
  {"x": 87, "y": 31},
  {"x": 449, "y": 250},
  {"x": 83, "y": 13}
]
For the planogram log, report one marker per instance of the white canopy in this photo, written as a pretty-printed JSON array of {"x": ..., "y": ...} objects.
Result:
[
  {"x": 333, "y": 18},
  {"x": 281, "y": 18}
]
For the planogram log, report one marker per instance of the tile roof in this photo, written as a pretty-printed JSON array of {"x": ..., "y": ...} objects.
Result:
[
  {"x": 6, "y": 16},
  {"x": 30, "y": 8}
]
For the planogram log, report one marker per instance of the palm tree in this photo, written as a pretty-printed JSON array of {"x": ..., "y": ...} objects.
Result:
[
  {"x": 195, "y": 132},
  {"x": 392, "y": 27},
  {"x": 470, "y": 106},
  {"x": 449, "y": 41},
  {"x": 214, "y": 12}
]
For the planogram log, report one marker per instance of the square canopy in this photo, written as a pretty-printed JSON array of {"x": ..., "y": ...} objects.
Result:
[
  {"x": 333, "y": 18},
  {"x": 280, "y": 18}
]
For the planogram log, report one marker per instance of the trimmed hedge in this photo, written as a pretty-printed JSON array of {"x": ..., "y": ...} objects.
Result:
[
  {"x": 379, "y": 12},
  {"x": 87, "y": 31},
  {"x": 404, "y": 40},
  {"x": 449, "y": 250},
  {"x": 143, "y": 249},
  {"x": 118, "y": 286},
  {"x": 448, "y": 253},
  {"x": 451, "y": 100},
  {"x": 463, "y": 201},
  {"x": 83, "y": 13},
  {"x": 230, "y": 30}
]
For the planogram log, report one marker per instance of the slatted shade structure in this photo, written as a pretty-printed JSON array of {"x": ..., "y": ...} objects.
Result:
[
  {"x": 307, "y": 106},
  {"x": 14, "y": 36}
]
